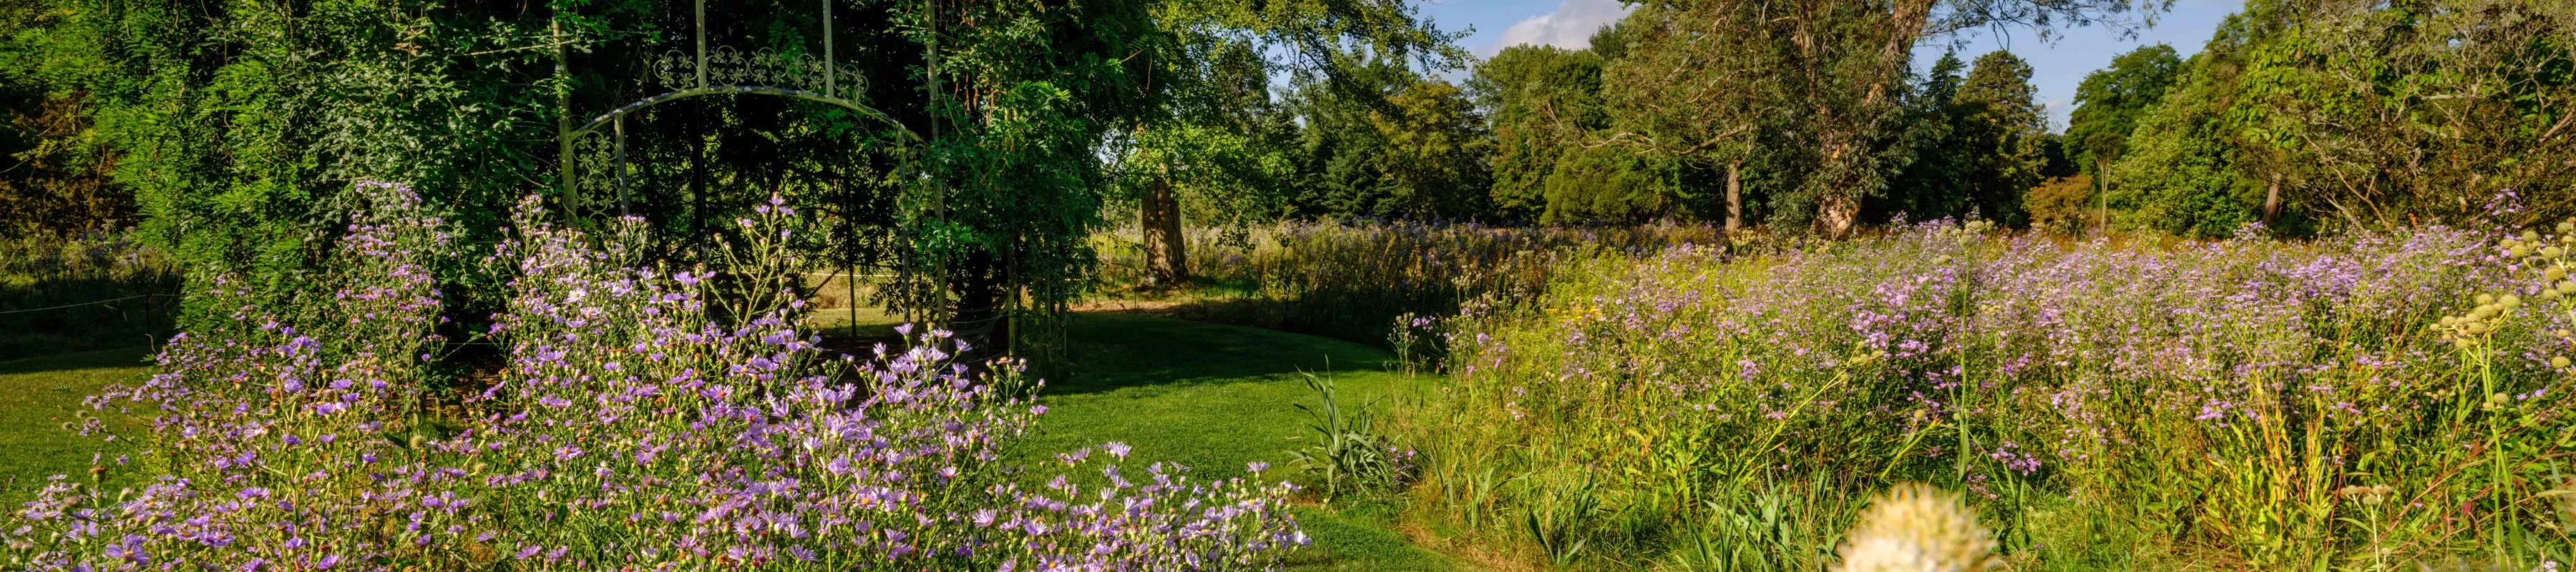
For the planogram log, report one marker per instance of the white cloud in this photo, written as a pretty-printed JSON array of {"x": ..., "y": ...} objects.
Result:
[
  {"x": 1570, "y": 26},
  {"x": 2057, "y": 110}
]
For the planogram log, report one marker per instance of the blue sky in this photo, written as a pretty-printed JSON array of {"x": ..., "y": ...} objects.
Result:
[{"x": 2058, "y": 65}]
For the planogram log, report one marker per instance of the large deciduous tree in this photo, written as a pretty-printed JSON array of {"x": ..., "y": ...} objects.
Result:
[
  {"x": 1697, "y": 87},
  {"x": 2110, "y": 100},
  {"x": 2366, "y": 114},
  {"x": 1841, "y": 70},
  {"x": 1541, "y": 101}
]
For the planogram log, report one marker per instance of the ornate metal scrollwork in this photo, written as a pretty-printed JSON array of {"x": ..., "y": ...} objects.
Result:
[{"x": 727, "y": 66}]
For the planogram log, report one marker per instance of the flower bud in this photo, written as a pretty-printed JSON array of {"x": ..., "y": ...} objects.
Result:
[
  {"x": 2486, "y": 298},
  {"x": 2559, "y": 362}
]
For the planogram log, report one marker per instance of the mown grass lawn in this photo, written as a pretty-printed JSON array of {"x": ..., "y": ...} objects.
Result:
[
  {"x": 1214, "y": 398},
  {"x": 40, "y": 400}
]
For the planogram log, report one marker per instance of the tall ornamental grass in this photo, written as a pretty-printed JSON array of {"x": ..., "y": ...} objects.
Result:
[
  {"x": 1350, "y": 281},
  {"x": 2371, "y": 401},
  {"x": 628, "y": 430}
]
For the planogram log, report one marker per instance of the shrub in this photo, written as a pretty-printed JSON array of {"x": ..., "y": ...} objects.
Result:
[{"x": 630, "y": 428}]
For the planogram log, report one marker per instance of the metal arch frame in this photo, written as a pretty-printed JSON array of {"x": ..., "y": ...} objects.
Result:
[
  {"x": 566, "y": 134},
  {"x": 604, "y": 119}
]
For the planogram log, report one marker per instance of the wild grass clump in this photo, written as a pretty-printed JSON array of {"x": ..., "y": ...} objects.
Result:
[
  {"x": 61, "y": 295},
  {"x": 1349, "y": 281},
  {"x": 2198, "y": 405},
  {"x": 628, "y": 430}
]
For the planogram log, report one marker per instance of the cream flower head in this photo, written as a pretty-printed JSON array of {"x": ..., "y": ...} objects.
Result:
[{"x": 1917, "y": 528}]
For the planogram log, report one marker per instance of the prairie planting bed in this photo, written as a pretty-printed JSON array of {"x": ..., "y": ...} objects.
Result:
[{"x": 2367, "y": 401}]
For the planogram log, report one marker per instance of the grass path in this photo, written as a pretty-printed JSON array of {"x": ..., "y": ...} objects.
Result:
[
  {"x": 1208, "y": 396},
  {"x": 1215, "y": 397},
  {"x": 38, "y": 397}
]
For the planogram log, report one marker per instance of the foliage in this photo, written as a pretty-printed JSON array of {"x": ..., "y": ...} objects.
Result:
[
  {"x": 2104, "y": 406},
  {"x": 1349, "y": 454},
  {"x": 1609, "y": 184},
  {"x": 2456, "y": 102},
  {"x": 1387, "y": 142},
  {"x": 1976, "y": 144},
  {"x": 1999, "y": 120},
  {"x": 1540, "y": 100},
  {"x": 2061, "y": 205},
  {"x": 626, "y": 430},
  {"x": 1350, "y": 280},
  {"x": 2111, "y": 100},
  {"x": 70, "y": 295}
]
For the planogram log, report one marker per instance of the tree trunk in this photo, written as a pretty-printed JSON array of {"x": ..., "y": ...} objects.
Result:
[
  {"x": 2272, "y": 199},
  {"x": 1166, "y": 263},
  {"x": 982, "y": 318},
  {"x": 1837, "y": 215},
  {"x": 1734, "y": 196},
  {"x": 2102, "y": 176}
]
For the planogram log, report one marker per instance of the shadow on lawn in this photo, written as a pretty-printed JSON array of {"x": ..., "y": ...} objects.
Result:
[
  {"x": 1111, "y": 350},
  {"x": 136, "y": 356}
]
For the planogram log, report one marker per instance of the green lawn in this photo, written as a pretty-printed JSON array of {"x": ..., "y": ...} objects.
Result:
[
  {"x": 39, "y": 398},
  {"x": 1215, "y": 397},
  {"x": 1208, "y": 396}
]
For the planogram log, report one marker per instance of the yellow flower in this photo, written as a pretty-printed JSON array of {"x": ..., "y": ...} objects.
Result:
[{"x": 1917, "y": 528}]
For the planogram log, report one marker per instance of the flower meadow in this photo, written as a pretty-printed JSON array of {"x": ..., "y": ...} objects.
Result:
[
  {"x": 2369, "y": 401},
  {"x": 627, "y": 428}
]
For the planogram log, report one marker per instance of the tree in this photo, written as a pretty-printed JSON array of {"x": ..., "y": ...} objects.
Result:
[
  {"x": 2466, "y": 99},
  {"x": 1695, "y": 88},
  {"x": 2001, "y": 123},
  {"x": 1215, "y": 136},
  {"x": 1541, "y": 101},
  {"x": 1384, "y": 141},
  {"x": 1843, "y": 67},
  {"x": 2105, "y": 147},
  {"x": 2110, "y": 100},
  {"x": 240, "y": 127}
]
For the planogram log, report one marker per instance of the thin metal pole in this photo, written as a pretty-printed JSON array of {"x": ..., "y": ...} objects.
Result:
[
  {"x": 621, "y": 167},
  {"x": 563, "y": 114},
  {"x": 702, "y": 43},
  {"x": 831, "y": 70}
]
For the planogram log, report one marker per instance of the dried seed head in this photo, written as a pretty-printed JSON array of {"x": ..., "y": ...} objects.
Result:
[
  {"x": 2554, "y": 274},
  {"x": 2486, "y": 299},
  {"x": 1917, "y": 528},
  {"x": 2559, "y": 362},
  {"x": 2369, "y": 495},
  {"x": 2508, "y": 302}
]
